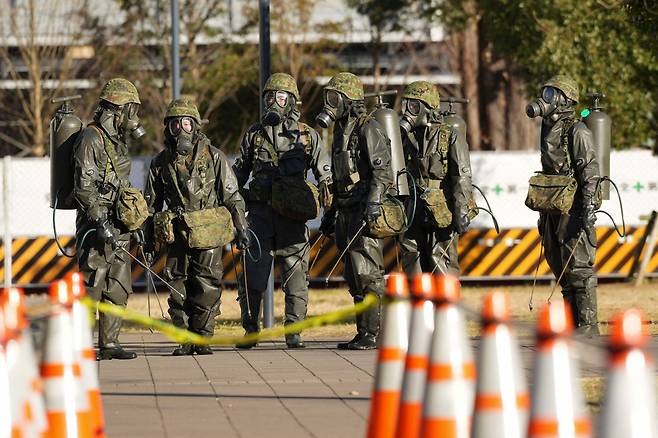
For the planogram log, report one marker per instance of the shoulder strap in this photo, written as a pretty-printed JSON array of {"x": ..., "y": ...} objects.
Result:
[
  {"x": 443, "y": 145},
  {"x": 564, "y": 141},
  {"x": 110, "y": 152},
  {"x": 259, "y": 142}
]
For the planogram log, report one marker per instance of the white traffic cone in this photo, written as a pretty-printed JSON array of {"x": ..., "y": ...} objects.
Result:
[
  {"x": 501, "y": 401},
  {"x": 629, "y": 404},
  {"x": 415, "y": 372},
  {"x": 450, "y": 392},
  {"x": 66, "y": 402},
  {"x": 558, "y": 408},
  {"x": 390, "y": 358},
  {"x": 26, "y": 383},
  {"x": 83, "y": 344}
]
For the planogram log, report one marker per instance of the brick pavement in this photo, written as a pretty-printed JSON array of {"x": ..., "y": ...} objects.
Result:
[{"x": 268, "y": 391}]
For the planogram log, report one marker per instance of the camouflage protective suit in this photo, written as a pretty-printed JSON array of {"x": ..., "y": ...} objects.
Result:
[
  {"x": 203, "y": 179},
  {"x": 437, "y": 158},
  {"x": 285, "y": 149},
  {"x": 362, "y": 175},
  {"x": 101, "y": 171},
  {"x": 569, "y": 240}
]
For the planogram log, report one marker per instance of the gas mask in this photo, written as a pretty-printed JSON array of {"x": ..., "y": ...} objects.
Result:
[
  {"x": 130, "y": 122},
  {"x": 181, "y": 132},
  {"x": 335, "y": 106},
  {"x": 277, "y": 106},
  {"x": 548, "y": 105},
  {"x": 415, "y": 114}
]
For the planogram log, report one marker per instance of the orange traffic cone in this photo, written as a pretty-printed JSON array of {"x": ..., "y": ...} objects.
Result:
[
  {"x": 415, "y": 372},
  {"x": 26, "y": 387},
  {"x": 629, "y": 408},
  {"x": 7, "y": 427},
  {"x": 390, "y": 359},
  {"x": 84, "y": 346},
  {"x": 448, "y": 404},
  {"x": 66, "y": 401},
  {"x": 501, "y": 401},
  {"x": 558, "y": 410}
]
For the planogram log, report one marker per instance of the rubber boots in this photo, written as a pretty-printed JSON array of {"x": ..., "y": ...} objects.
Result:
[
  {"x": 367, "y": 327},
  {"x": 108, "y": 339}
]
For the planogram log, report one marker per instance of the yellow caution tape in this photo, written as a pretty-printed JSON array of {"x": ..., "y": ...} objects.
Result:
[{"x": 183, "y": 336}]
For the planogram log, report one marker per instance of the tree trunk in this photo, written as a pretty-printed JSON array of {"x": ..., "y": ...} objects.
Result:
[
  {"x": 493, "y": 92},
  {"x": 523, "y": 131},
  {"x": 470, "y": 68}
]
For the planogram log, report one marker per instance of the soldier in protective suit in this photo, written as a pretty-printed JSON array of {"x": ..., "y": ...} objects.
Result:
[
  {"x": 109, "y": 205},
  {"x": 277, "y": 153},
  {"x": 361, "y": 163},
  {"x": 569, "y": 239},
  {"x": 197, "y": 184},
  {"x": 437, "y": 159}
]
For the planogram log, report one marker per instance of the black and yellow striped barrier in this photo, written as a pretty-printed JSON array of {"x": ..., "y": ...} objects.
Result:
[{"x": 483, "y": 254}]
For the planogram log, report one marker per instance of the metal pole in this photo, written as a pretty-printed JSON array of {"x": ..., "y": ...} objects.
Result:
[
  {"x": 175, "y": 52},
  {"x": 265, "y": 53},
  {"x": 6, "y": 178},
  {"x": 268, "y": 301}
]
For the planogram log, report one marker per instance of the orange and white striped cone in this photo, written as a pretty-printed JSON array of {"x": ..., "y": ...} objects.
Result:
[
  {"x": 629, "y": 404},
  {"x": 393, "y": 343},
  {"x": 501, "y": 400},
  {"x": 415, "y": 371},
  {"x": 448, "y": 404},
  {"x": 84, "y": 346},
  {"x": 557, "y": 409},
  {"x": 7, "y": 426},
  {"x": 26, "y": 384},
  {"x": 66, "y": 401}
]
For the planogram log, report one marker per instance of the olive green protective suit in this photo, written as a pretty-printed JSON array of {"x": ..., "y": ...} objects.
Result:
[
  {"x": 205, "y": 180},
  {"x": 437, "y": 164},
  {"x": 107, "y": 271},
  {"x": 285, "y": 149},
  {"x": 564, "y": 235},
  {"x": 360, "y": 151}
]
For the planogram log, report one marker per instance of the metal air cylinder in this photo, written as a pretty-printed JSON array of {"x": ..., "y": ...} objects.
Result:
[
  {"x": 601, "y": 126},
  {"x": 64, "y": 128},
  {"x": 391, "y": 123}
]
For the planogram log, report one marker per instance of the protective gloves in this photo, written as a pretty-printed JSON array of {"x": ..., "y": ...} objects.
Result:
[
  {"x": 461, "y": 223},
  {"x": 373, "y": 211},
  {"x": 243, "y": 240},
  {"x": 326, "y": 196},
  {"x": 105, "y": 234},
  {"x": 589, "y": 220},
  {"x": 328, "y": 224}
]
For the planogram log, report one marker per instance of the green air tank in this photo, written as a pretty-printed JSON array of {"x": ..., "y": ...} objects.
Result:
[
  {"x": 451, "y": 118},
  {"x": 390, "y": 121},
  {"x": 601, "y": 126},
  {"x": 64, "y": 129}
]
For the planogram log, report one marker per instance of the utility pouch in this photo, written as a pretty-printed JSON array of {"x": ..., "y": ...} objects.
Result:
[
  {"x": 551, "y": 193},
  {"x": 295, "y": 198},
  {"x": 131, "y": 208},
  {"x": 207, "y": 229},
  {"x": 437, "y": 207},
  {"x": 163, "y": 227},
  {"x": 392, "y": 220}
]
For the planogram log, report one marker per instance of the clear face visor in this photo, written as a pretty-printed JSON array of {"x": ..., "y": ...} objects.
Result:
[
  {"x": 279, "y": 97},
  {"x": 412, "y": 105},
  {"x": 177, "y": 123},
  {"x": 332, "y": 98}
]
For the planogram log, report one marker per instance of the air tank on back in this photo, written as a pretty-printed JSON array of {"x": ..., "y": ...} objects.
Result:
[
  {"x": 601, "y": 126},
  {"x": 390, "y": 121},
  {"x": 452, "y": 118},
  {"x": 64, "y": 128}
]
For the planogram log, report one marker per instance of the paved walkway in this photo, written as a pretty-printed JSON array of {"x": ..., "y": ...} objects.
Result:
[{"x": 268, "y": 391}]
